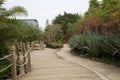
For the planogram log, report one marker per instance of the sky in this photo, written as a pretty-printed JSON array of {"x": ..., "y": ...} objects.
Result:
[{"x": 48, "y": 9}]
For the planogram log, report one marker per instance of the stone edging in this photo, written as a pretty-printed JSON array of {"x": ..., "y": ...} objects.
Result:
[{"x": 100, "y": 75}]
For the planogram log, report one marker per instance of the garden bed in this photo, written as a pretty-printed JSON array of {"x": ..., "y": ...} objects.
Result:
[{"x": 105, "y": 48}]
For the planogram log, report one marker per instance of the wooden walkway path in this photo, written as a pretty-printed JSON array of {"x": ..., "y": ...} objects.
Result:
[{"x": 46, "y": 65}]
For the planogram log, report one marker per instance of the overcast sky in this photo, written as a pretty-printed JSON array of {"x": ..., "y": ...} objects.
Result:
[{"x": 49, "y": 9}]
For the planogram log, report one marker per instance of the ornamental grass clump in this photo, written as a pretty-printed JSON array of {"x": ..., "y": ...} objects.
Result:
[
  {"x": 111, "y": 45},
  {"x": 87, "y": 44},
  {"x": 97, "y": 46},
  {"x": 77, "y": 43}
]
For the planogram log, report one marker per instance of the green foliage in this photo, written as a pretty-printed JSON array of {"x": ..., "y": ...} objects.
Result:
[
  {"x": 53, "y": 32},
  {"x": 7, "y": 73},
  {"x": 86, "y": 43},
  {"x": 13, "y": 31},
  {"x": 97, "y": 46},
  {"x": 110, "y": 7},
  {"x": 54, "y": 45},
  {"x": 104, "y": 11},
  {"x": 99, "y": 13},
  {"x": 65, "y": 20}
]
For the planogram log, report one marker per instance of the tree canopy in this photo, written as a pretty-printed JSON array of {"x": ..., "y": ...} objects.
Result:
[
  {"x": 100, "y": 13},
  {"x": 53, "y": 32},
  {"x": 65, "y": 20}
]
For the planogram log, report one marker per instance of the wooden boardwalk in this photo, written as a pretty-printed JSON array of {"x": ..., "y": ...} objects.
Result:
[{"x": 46, "y": 65}]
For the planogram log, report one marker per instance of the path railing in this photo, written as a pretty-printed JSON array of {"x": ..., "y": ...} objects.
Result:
[
  {"x": 8, "y": 65},
  {"x": 20, "y": 57},
  {"x": 22, "y": 61}
]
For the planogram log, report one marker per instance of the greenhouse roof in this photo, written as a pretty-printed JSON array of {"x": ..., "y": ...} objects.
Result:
[{"x": 32, "y": 22}]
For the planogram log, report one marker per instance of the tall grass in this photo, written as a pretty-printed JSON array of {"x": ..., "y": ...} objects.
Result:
[{"x": 103, "y": 47}]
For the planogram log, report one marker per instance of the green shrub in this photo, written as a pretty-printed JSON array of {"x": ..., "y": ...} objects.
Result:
[
  {"x": 88, "y": 43},
  {"x": 97, "y": 46},
  {"x": 7, "y": 73},
  {"x": 54, "y": 45}
]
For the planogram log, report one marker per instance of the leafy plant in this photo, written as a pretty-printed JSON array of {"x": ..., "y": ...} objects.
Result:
[
  {"x": 54, "y": 45},
  {"x": 97, "y": 46},
  {"x": 7, "y": 73}
]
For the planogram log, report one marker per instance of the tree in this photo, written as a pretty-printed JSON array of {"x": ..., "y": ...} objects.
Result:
[
  {"x": 78, "y": 26},
  {"x": 65, "y": 20},
  {"x": 94, "y": 10},
  {"x": 12, "y": 30},
  {"x": 110, "y": 9},
  {"x": 53, "y": 32},
  {"x": 103, "y": 12},
  {"x": 9, "y": 24}
]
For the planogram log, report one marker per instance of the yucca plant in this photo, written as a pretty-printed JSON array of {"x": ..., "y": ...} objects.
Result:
[
  {"x": 87, "y": 43},
  {"x": 93, "y": 44},
  {"x": 97, "y": 46},
  {"x": 76, "y": 43}
]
